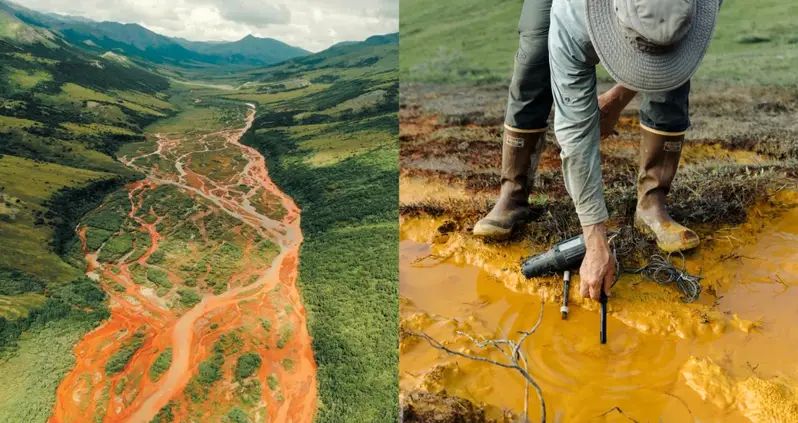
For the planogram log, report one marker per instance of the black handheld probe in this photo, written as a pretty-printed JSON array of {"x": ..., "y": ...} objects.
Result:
[
  {"x": 563, "y": 257},
  {"x": 603, "y": 302}
]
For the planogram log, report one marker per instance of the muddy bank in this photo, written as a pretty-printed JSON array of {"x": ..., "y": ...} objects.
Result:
[
  {"x": 736, "y": 187},
  {"x": 741, "y": 368}
]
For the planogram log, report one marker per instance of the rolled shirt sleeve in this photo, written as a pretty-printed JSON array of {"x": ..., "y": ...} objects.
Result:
[{"x": 576, "y": 119}]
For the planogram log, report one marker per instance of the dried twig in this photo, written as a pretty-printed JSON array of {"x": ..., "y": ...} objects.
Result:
[
  {"x": 516, "y": 359},
  {"x": 618, "y": 409}
]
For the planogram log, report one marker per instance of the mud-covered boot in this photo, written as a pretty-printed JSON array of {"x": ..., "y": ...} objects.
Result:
[
  {"x": 520, "y": 155},
  {"x": 659, "y": 159}
]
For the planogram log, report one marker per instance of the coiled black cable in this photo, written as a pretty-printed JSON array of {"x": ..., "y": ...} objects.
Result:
[{"x": 662, "y": 270}]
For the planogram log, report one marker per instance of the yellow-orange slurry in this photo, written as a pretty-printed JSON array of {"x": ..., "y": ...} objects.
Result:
[{"x": 730, "y": 357}]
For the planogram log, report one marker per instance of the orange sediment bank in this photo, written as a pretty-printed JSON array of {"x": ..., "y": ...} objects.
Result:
[
  {"x": 728, "y": 358},
  {"x": 87, "y": 393}
]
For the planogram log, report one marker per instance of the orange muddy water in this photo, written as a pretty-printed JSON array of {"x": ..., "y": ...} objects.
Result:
[
  {"x": 729, "y": 358},
  {"x": 87, "y": 394}
]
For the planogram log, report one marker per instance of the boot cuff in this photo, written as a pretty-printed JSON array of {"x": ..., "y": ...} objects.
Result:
[
  {"x": 525, "y": 131},
  {"x": 665, "y": 133}
]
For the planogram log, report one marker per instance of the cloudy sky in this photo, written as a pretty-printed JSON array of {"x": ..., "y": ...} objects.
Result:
[{"x": 311, "y": 24}]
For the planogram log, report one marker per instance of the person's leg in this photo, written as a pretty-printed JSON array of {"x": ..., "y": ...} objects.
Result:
[
  {"x": 664, "y": 119},
  {"x": 528, "y": 106}
]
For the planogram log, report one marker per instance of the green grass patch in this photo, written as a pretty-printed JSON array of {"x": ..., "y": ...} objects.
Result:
[
  {"x": 30, "y": 377},
  {"x": 116, "y": 247},
  {"x": 467, "y": 41},
  {"x": 25, "y": 80},
  {"x": 16, "y": 306},
  {"x": 29, "y": 235},
  {"x": 8, "y": 124}
]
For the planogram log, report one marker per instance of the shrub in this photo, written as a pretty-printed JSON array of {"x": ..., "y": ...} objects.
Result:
[
  {"x": 161, "y": 364},
  {"x": 210, "y": 370},
  {"x": 119, "y": 360},
  {"x": 248, "y": 364}
]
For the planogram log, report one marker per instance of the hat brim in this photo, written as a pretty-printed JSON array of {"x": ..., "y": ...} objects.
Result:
[{"x": 647, "y": 72}]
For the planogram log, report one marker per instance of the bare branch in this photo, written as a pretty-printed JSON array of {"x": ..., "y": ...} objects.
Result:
[{"x": 518, "y": 361}]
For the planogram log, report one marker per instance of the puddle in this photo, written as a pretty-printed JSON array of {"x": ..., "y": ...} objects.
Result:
[{"x": 739, "y": 373}]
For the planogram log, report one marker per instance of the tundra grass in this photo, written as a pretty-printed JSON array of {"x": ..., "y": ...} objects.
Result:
[
  {"x": 29, "y": 378},
  {"x": 468, "y": 41},
  {"x": 8, "y": 123},
  {"x": 25, "y": 243},
  {"x": 75, "y": 93},
  {"x": 24, "y": 80},
  {"x": 16, "y": 306},
  {"x": 277, "y": 97}
]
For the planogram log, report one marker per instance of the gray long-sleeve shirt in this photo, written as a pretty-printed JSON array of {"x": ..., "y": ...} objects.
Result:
[
  {"x": 573, "y": 63},
  {"x": 576, "y": 113}
]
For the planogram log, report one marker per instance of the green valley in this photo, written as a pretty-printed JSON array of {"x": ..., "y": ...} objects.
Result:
[{"x": 129, "y": 207}]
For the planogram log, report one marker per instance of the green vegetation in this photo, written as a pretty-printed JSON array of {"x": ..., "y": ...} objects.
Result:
[
  {"x": 156, "y": 257},
  {"x": 247, "y": 365},
  {"x": 116, "y": 247},
  {"x": 66, "y": 114},
  {"x": 158, "y": 277},
  {"x": 285, "y": 335},
  {"x": 161, "y": 364},
  {"x": 237, "y": 415},
  {"x": 342, "y": 170},
  {"x": 81, "y": 300},
  {"x": 17, "y": 306},
  {"x": 29, "y": 377},
  {"x": 165, "y": 414},
  {"x": 119, "y": 360},
  {"x": 272, "y": 382},
  {"x": 210, "y": 370},
  {"x": 288, "y": 364},
  {"x": 249, "y": 391},
  {"x": 467, "y": 41},
  {"x": 15, "y": 282},
  {"x": 189, "y": 298}
]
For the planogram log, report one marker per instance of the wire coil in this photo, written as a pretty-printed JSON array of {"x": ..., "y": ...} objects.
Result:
[{"x": 661, "y": 269}]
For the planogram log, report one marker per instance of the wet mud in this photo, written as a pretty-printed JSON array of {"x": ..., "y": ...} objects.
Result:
[{"x": 729, "y": 357}]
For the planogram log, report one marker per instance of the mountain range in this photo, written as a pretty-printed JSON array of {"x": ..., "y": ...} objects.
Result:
[{"x": 136, "y": 41}]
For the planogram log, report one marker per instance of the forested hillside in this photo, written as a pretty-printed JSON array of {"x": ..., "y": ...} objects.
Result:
[{"x": 63, "y": 114}]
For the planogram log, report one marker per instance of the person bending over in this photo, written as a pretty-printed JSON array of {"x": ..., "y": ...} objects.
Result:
[{"x": 648, "y": 46}]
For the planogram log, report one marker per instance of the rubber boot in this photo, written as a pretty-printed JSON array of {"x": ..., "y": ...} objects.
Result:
[
  {"x": 520, "y": 155},
  {"x": 659, "y": 159}
]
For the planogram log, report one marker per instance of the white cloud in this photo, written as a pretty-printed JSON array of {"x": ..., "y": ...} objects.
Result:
[{"x": 310, "y": 24}]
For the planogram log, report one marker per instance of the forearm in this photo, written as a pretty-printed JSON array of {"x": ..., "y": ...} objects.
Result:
[
  {"x": 616, "y": 98},
  {"x": 581, "y": 168}
]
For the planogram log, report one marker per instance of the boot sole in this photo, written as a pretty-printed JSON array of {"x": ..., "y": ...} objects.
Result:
[{"x": 493, "y": 232}]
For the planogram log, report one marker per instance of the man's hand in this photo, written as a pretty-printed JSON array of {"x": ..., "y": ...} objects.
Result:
[
  {"x": 598, "y": 267},
  {"x": 611, "y": 104}
]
